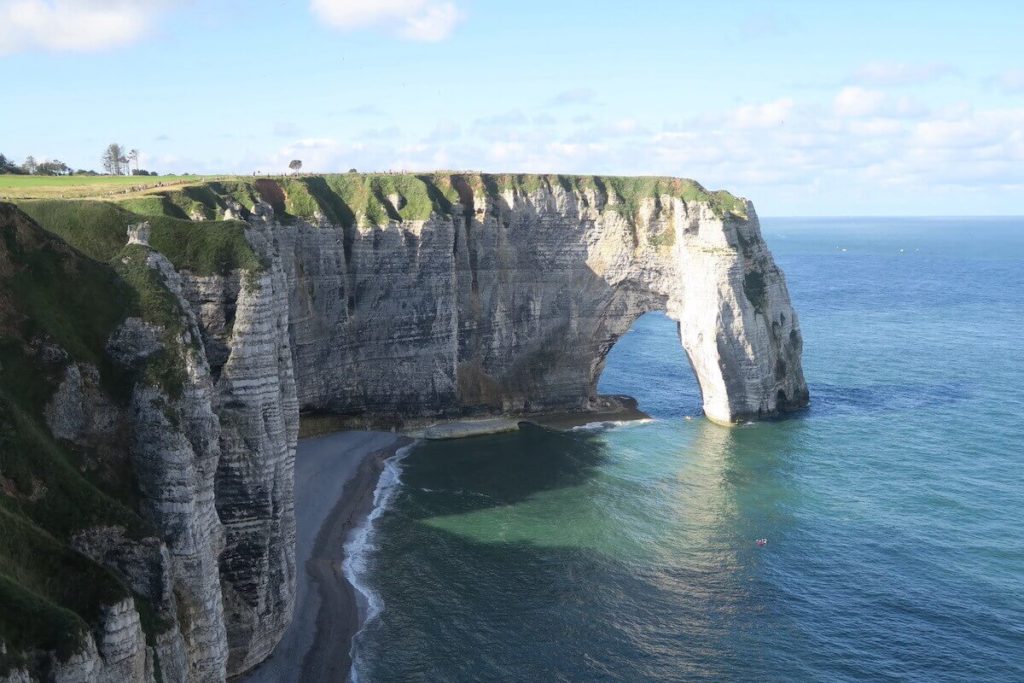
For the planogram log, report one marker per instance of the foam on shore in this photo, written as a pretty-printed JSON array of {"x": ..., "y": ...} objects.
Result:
[
  {"x": 610, "y": 424},
  {"x": 360, "y": 545}
]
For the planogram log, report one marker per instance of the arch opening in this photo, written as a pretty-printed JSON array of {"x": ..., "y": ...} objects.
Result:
[{"x": 649, "y": 364}]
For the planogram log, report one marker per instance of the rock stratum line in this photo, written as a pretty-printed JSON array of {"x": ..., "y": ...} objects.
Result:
[{"x": 155, "y": 354}]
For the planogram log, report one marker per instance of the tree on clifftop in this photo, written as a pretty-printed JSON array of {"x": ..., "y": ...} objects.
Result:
[
  {"x": 114, "y": 159},
  {"x": 8, "y": 166},
  {"x": 296, "y": 165},
  {"x": 55, "y": 167}
]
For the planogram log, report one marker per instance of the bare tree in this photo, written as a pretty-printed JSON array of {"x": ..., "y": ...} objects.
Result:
[
  {"x": 133, "y": 157},
  {"x": 295, "y": 165},
  {"x": 114, "y": 159},
  {"x": 30, "y": 165}
]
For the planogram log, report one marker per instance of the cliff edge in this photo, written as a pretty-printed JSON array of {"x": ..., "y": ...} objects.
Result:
[{"x": 455, "y": 295}]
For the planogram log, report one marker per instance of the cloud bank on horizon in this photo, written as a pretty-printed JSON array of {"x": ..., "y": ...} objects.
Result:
[{"x": 866, "y": 128}]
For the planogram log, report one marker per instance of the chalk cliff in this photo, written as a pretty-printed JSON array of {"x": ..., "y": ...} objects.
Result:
[
  {"x": 508, "y": 294},
  {"x": 155, "y": 354},
  {"x": 151, "y": 485}
]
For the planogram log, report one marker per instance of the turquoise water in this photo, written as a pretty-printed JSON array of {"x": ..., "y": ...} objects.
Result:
[{"x": 893, "y": 508}]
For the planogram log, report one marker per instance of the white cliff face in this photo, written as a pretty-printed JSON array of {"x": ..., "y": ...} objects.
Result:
[
  {"x": 226, "y": 466},
  {"x": 736, "y": 322},
  {"x": 116, "y": 654},
  {"x": 510, "y": 302},
  {"x": 176, "y": 451},
  {"x": 171, "y": 442},
  {"x": 256, "y": 405},
  {"x": 147, "y": 569}
]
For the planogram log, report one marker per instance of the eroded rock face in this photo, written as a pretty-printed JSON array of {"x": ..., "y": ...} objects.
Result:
[
  {"x": 176, "y": 451},
  {"x": 258, "y": 413},
  {"x": 213, "y": 455},
  {"x": 510, "y": 303}
]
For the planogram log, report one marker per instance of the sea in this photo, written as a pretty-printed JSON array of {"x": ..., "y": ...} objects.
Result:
[{"x": 891, "y": 513}]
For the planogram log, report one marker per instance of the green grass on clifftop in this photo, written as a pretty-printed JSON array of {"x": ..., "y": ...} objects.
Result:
[
  {"x": 156, "y": 304},
  {"x": 100, "y": 231},
  {"x": 376, "y": 198},
  {"x": 631, "y": 191},
  {"x": 365, "y": 198}
]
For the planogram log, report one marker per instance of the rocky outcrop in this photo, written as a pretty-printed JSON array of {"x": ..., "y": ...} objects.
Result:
[
  {"x": 239, "y": 420},
  {"x": 176, "y": 451},
  {"x": 246, "y": 325}
]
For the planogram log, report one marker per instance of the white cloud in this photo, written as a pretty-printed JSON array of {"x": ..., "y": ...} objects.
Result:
[
  {"x": 854, "y": 101},
  {"x": 422, "y": 20},
  {"x": 877, "y": 127},
  {"x": 434, "y": 23},
  {"x": 900, "y": 73},
  {"x": 846, "y": 152},
  {"x": 74, "y": 25},
  {"x": 763, "y": 115},
  {"x": 605, "y": 131}
]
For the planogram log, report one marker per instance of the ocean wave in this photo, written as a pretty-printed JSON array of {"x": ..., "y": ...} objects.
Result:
[
  {"x": 360, "y": 545},
  {"x": 610, "y": 424}
]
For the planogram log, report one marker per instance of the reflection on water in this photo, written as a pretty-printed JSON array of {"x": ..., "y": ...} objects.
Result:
[
  {"x": 715, "y": 489},
  {"x": 609, "y": 544}
]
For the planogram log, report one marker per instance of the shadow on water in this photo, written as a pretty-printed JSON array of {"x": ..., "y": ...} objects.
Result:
[
  {"x": 502, "y": 469},
  {"x": 674, "y": 588}
]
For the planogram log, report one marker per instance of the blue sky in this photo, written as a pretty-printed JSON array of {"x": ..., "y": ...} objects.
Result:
[{"x": 807, "y": 108}]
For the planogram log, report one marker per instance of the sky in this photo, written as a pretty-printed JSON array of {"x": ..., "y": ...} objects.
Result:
[{"x": 806, "y": 108}]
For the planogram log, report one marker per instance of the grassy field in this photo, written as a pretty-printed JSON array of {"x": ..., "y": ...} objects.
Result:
[
  {"x": 346, "y": 198},
  {"x": 90, "y": 187}
]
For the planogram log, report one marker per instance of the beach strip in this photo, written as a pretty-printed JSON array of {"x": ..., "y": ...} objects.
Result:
[{"x": 335, "y": 480}]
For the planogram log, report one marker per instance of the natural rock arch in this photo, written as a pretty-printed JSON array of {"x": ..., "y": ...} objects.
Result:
[
  {"x": 719, "y": 283},
  {"x": 509, "y": 300}
]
